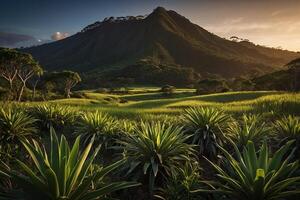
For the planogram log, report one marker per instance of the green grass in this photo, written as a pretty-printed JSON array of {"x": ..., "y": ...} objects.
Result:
[{"x": 154, "y": 103}]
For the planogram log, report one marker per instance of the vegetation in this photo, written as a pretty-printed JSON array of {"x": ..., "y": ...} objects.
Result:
[
  {"x": 288, "y": 128},
  {"x": 168, "y": 89},
  {"x": 154, "y": 134},
  {"x": 262, "y": 177},
  {"x": 15, "y": 125},
  {"x": 156, "y": 149},
  {"x": 13, "y": 65},
  {"x": 101, "y": 126},
  {"x": 53, "y": 116},
  {"x": 250, "y": 128},
  {"x": 206, "y": 125},
  {"x": 169, "y": 142},
  {"x": 63, "y": 172}
]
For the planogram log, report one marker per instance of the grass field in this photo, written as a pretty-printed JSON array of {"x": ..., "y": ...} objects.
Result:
[
  {"x": 159, "y": 132},
  {"x": 142, "y": 102}
]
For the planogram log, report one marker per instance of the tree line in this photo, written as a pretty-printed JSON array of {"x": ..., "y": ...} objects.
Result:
[{"x": 20, "y": 70}]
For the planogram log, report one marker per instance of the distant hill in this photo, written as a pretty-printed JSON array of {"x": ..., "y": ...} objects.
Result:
[
  {"x": 165, "y": 37},
  {"x": 285, "y": 79}
]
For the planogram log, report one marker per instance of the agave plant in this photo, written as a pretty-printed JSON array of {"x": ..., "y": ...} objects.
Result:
[
  {"x": 126, "y": 126},
  {"x": 206, "y": 125},
  {"x": 251, "y": 176},
  {"x": 156, "y": 149},
  {"x": 63, "y": 172},
  {"x": 180, "y": 186},
  {"x": 288, "y": 128},
  {"x": 14, "y": 126},
  {"x": 7, "y": 190},
  {"x": 251, "y": 128},
  {"x": 53, "y": 116},
  {"x": 97, "y": 124}
]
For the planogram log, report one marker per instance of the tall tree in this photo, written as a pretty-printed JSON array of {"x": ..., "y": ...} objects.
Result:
[
  {"x": 33, "y": 82},
  {"x": 28, "y": 67},
  {"x": 70, "y": 80},
  {"x": 294, "y": 65},
  {"x": 9, "y": 65}
]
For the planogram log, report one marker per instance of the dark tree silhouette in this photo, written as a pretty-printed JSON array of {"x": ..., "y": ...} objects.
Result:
[
  {"x": 294, "y": 65},
  {"x": 15, "y": 64},
  {"x": 27, "y": 69}
]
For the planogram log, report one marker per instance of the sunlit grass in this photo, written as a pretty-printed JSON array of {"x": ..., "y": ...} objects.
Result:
[{"x": 154, "y": 103}]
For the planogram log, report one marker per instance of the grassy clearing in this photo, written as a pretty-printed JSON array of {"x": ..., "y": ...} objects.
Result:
[{"x": 153, "y": 104}]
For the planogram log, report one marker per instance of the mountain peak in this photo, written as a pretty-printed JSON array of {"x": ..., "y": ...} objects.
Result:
[
  {"x": 159, "y": 10},
  {"x": 164, "y": 36}
]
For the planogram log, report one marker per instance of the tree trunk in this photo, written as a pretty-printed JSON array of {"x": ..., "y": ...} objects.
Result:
[
  {"x": 11, "y": 84},
  {"x": 33, "y": 90},
  {"x": 21, "y": 92},
  {"x": 68, "y": 91}
]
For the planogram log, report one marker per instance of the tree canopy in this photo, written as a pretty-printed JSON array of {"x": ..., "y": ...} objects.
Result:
[{"x": 15, "y": 64}]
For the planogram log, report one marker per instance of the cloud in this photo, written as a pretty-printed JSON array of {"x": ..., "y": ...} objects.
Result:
[
  {"x": 12, "y": 39},
  {"x": 234, "y": 20},
  {"x": 59, "y": 36},
  {"x": 277, "y": 13}
]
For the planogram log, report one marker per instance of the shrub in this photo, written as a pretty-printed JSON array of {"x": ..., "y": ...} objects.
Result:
[
  {"x": 14, "y": 126},
  {"x": 156, "y": 149},
  {"x": 168, "y": 89},
  {"x": 54, "y": 116},
  {"x": 97, "y": 124},
  {"x": 288, "y": 128},
  {"x": 126, "y": 126},
  {"x": 251, "y": 128},
  {"x": 251, "y": 176},
  {"x": 206, "y": 125},
  {"x": 63, "y": 172},
  {"x": 180, "y": 186},
  {"x": 102, "y": 90}
]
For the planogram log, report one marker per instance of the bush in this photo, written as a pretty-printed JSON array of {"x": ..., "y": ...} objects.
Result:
[
  {"x": 102, "y": 90},
  {"x": 251, "y": 176},
  {"x": 251, "y": 127},
  {"x": 181, "y": 185},
  {"x": 155, "y": 150},
  {"x": 288, "y": 128},
  {"x": 63, "y": 172},
  {"x": 207, "y": 86},
  {"x": 98, "y": 125},
  {"x": 168, "y": 89},
  {"x": 206, "y": 125},
  {"x": 55, "y": 116},
  {"x": 15, "y": 125}
]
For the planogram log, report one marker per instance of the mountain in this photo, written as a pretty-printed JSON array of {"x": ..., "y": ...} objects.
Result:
[{"x": 163, "y": 37}]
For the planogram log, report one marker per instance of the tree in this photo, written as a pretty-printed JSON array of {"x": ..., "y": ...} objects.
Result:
[
  {"x": 33, "y": 83},
  {"x": 17, "y": 64},
  {"x": 210, "y": 85},
  {"x": 8, "y": 65},
  {"x": 28, "y": 67},
  {"x": 294, "y": 65},
  {"x": 70, "y": 80}
]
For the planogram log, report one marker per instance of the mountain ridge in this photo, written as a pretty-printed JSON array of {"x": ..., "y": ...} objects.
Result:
[{"x": 163, "y": 36}]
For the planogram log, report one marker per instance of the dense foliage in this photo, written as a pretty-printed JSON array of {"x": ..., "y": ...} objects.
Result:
[
  {"x": 160, "y": 152},
  {"x": 63, "y": 172},
  {"x": 262, "y": 177},
  {"x": 156, "y": 149},
  {"x": 206, "y": 125}
]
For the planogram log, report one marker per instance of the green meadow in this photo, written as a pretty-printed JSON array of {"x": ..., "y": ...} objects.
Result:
[
  {"x": 149, "y": 101},
  {"x": 145, "y": 144}
]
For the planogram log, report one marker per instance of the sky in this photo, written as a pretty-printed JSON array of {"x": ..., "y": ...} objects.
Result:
[{"x": 274, "y": 23}]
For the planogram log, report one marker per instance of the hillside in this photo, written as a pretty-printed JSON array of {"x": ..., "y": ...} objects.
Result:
[{"x": 163, "y": 37}]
